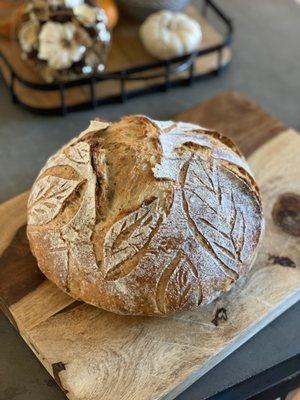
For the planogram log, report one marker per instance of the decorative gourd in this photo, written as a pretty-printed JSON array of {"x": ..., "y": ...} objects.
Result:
[{"x": 168, "y": 34}]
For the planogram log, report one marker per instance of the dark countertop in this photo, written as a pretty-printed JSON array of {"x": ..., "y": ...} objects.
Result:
[{"x": 265, "y": 67}]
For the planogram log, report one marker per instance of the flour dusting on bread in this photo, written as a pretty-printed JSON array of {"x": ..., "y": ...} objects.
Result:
[{"x": 145, "y": 217}]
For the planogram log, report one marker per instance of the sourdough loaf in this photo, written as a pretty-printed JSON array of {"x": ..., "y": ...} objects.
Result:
[{"x": 145, "y": 217}]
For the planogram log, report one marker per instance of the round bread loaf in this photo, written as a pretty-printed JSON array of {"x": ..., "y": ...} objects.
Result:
[{"x": 145, "y": 217}]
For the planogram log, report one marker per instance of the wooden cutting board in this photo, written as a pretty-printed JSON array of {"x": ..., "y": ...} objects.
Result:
[{"x": 93, "y": 354}]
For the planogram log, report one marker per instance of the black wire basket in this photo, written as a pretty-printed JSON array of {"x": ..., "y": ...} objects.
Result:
[{"x": 157, "y": 75}]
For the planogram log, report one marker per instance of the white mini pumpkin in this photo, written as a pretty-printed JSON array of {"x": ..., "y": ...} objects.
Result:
[{"x": 168, "y": 34}]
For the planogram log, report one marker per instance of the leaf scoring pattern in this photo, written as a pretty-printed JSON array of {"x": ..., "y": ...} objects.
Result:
[
  {"x": 47, "y": 198},
  {"x": 179, "y": 286},
  {"x": 129, "y": 234},
  {"x": 213, "y": 209},
  {"x": 209, "y": 206}
]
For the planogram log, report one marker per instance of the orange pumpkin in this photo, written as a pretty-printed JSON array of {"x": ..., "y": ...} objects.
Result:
[{"x": 110, "y": 7}]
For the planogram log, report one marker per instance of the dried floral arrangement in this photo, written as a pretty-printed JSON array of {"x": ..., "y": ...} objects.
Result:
[{"x": 64, "y": 39}]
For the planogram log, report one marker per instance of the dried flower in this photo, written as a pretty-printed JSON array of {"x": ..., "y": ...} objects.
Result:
[
  {"x": 86, "y": 14},
  {"x": 62, "y": 44},
  {"x": 64, "y": 38},
  {"x": 37, "y": 10},
  {"x": 28, "y": 36},
  {"x": 73, "y": 3}
]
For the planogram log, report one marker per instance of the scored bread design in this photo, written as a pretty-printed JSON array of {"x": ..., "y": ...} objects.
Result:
[{"x": 145, "y": 217}]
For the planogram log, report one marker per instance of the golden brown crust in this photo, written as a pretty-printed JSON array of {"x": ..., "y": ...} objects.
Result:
[{"x": 145, "y": 217}]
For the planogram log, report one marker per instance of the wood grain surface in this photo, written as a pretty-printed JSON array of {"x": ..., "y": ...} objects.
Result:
[
  {"x": 237, "y": 117},
  {"x": 121, "y": 56},
  {"x": 94, "y": 354}
]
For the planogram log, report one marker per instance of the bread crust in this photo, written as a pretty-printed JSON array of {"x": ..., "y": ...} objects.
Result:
[{"x": 145, "y": 217}]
